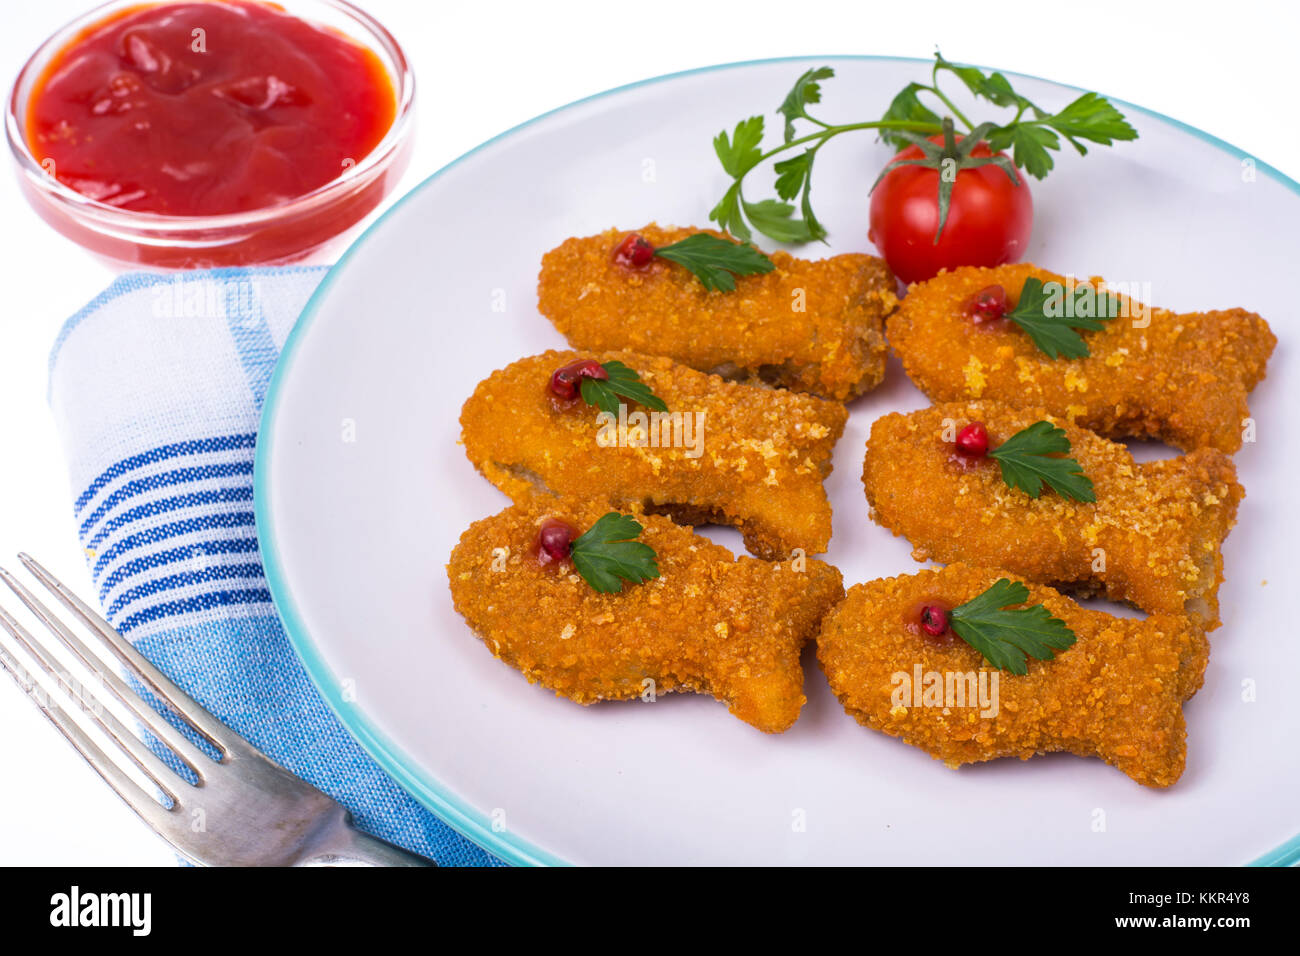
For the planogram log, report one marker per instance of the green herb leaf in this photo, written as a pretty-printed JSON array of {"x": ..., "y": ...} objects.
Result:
[
  {"x": 807, "y": 89},
  {"x": 1027, "y": 463},
  {"x": 1093, "y": 118},
  {"x": 623, "y": 383},
  {"x": 777, "y": 220},
  {"x": 994, "y": 87},
  {"x": 794, "y": 176},
  {"x": 607, "y": 554},
  {"x": 1090, "y": 117},
  {"x": 1050, "y": 319},
  {"x": 740, "y": 153},
  {"x": 727, "y": 214},
  {"x": 1029, "y": 146},
  {"x": 716, "y": 262},
  {"x": 1005, "y": 637},
  {"x": 815, "y": 229},
  {"x": 906, "y": 108},
  {"x": 791, "y": 174}
]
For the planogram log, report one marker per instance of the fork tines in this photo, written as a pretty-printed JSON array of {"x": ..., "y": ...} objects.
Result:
[
  {"x": 261, "y": 813},
  {"x": 168, "y": 782}
]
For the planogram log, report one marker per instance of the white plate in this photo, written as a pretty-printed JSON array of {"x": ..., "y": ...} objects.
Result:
[{"x": 356, "y": 534}]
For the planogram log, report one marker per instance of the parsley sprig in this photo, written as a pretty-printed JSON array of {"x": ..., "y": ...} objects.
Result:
[
  {"x": 608, "y": 554},
  {"x": 1050, "y": 319},
  {"x": 623, "y": 383},
  {"x": 1032, "y": 134},
  {"x": 1005, "y": 636},
  {"x": 1028, "y": 462},
  {"x": 716, "y": 262}
]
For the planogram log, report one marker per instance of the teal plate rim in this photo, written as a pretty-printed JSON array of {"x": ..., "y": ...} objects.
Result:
[{"x": 429, "y": 791}]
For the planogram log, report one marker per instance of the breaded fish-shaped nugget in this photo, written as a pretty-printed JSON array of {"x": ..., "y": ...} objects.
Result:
[
  {"x": 1116, "y": 693},
  {"x": 742, "y": 455},
  {"x": 811, "y": 326},
  {"x": 1152, "y": 537},
  {"x": 1182, "y": 379},
  {"x": 710, "y": 623}
]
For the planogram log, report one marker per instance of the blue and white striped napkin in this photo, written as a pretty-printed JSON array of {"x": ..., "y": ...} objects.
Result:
[{"x": 156, "y": 388}]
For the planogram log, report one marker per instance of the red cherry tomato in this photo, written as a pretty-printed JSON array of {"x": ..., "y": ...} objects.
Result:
[{"x": 989, "y": 217}]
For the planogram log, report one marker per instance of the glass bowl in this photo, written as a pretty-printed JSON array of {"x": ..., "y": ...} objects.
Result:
[{"x": 283, "y": 232}]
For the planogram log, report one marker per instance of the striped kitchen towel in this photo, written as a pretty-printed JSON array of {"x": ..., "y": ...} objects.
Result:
[{"x": 156, "y": 388}]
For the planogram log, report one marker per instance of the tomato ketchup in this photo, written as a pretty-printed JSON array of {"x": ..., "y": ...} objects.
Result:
[{"x": 206, "y": 108}]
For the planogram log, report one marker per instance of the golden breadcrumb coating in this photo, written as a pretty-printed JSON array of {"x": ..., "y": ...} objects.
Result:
[
  {"x": 1182, "y": 379},
  {"x": 1152, "y": 537},
  {"x": 710, "y": 623},
  {"x": 758, "y": 465},
  {"x": 813, "y": 326},
  {"x": 1116, "y": 693}
]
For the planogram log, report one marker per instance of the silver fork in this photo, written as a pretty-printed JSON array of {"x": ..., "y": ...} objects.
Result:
[{"x": 244, "y": 809}]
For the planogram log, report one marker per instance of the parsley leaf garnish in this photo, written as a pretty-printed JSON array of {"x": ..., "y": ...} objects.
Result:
[
  {"x": 1093, "y": 118},
  {"x": 727, "y": 213},
  {"x": 807, "y": 89},
  {"x": 623, "y": 382},
  {"x": 1029, "y": 147},
  {"x": 607, "y": 554},
  {"x": 716, "y": 262},
  {"x": 1027, "y": 463},
  {"x": 740, "y": 153},
  {"x": 994, "y": 87},
  {"x": 1050, "y": 320},
  {"x": 1031, "y": 133},
  {"x": 1090, "y": 117},
  {"x": 1004, "y": 636},
  {"x": 906, "y": 108}
]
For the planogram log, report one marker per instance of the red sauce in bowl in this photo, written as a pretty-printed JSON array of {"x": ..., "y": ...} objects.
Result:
[{"x": 208, "y": 108}]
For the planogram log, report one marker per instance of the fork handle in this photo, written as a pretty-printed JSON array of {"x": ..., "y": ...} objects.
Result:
[{"x": 352, "y": 847}]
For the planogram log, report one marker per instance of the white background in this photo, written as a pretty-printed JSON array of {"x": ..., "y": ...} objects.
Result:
[{"x": 483, "y": 67}]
